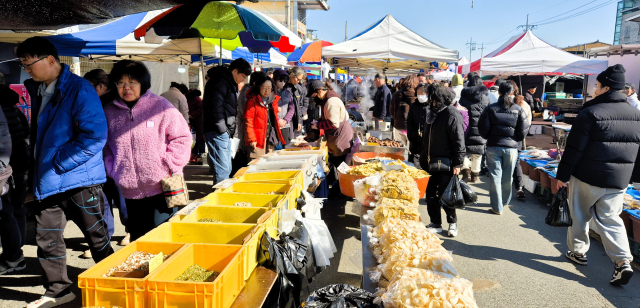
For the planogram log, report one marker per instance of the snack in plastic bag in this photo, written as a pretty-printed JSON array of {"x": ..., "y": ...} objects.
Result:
[
  {"x": 399, "y": 185},
  {"x": 399, "y": 233},
  {"x": 411, "y": 171},
  {"x": 365, "y": 189},
  {"x": 407, "y": 244},
  {"x": 435, "y": 292},
  {"x": 367, "y": 169},
  {"x": 433, "y": 260},
  {"x": 389, "y": 201},
  {"x": 390, "y": 223},
  {"x": 381, "y": 213}
]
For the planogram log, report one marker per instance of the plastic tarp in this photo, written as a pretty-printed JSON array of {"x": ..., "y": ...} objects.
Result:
[
  {"x": 387, "y": 44},
  {"x": 527, "y": 54}
]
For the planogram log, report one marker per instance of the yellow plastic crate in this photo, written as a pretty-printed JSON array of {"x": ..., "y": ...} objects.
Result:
[
  {"x": 293, "y": 176},
  {"x": 122, "y": 292},
  {"x": 184, "y": 232},
  {"x": 227, "y": 214},
  {"x": 229, "y": 199},
  {"x": 165, "y": 292},
  {"x": 290, "y": 191}
]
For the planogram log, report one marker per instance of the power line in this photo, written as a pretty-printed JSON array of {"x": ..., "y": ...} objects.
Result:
[
  {"x": 579, "y": 13},
  {"x": 565, "y": 13},
  {"x": 536, "y": 12}
]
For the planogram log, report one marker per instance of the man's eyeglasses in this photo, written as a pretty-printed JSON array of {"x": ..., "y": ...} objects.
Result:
[
  {"x": 132, "y": 85},
  {"x": 28, "y": 66}
]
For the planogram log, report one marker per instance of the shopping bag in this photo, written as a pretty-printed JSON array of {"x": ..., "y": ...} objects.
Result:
[
  {"x": 559, "y": 215},
  {"x": 468, "y": 194},
  {"x": 235, "y": 143},
  {"x": 452, "y": 196},
  {"x": 341, "y": 296}
]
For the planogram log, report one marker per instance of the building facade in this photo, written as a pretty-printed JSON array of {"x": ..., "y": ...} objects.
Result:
[
  {"x": 291, "y": 13},
  {"x": 627, "y": 28}
]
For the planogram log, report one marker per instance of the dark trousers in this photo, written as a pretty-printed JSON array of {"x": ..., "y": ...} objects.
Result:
[
  {"x": 147, "y": 214},
  {"x": 198, "y": 147},
  {"x": 13, "y": 229},
  {"x": 518, "y": 182},
  {"x": 437, "y": 184},
  {"x": 115, "y": 200},
  {"x": 84, "y": 206}
]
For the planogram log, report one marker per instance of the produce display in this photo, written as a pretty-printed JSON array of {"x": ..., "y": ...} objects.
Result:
[
  {"x": 243, "y": 204},
  {"x": 137, "y": 261},
  {"x": 210, "y": 220},
  {"x": 385, "y": 142},
  {"x": 381, "y": 213},
  {"x": 411, "y": 171},
  {"x": 398, "y": 185},
  {"x": 374, "y": 167},
  {"x": 409, "y": 245},
  {"x": 399, "y": 202},
  {"x": 405, "y": 232},
  {"x": 434, "y": 260},
  {"x": 197, "y": 273},
  {"x": 387, "y": 225}
]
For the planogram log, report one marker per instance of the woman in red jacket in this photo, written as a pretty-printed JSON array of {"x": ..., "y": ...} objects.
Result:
[{"x": 262, "y": 129}]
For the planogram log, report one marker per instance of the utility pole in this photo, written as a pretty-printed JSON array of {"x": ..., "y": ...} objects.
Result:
[
  {"x": 482, "y": 50},
  {"x": 472, "y": 46},
  {"x": 287, "y": 13},
  {"x": 345, "y": 30},
  {"x": 527, "y": 27}
]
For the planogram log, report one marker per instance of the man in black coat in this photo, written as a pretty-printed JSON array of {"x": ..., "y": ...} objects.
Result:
[
  {"x": 382, "y": 99},
  {"x": 475, "y": 97},
  {"x": 219, "y": 107},
  {"x": 13, "y": 226},
  {"x": 535, "y": 103},
  {"x": 598, "y": 161}
]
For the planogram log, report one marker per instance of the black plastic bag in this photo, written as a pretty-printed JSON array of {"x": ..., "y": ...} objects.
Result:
[
  {"x": 559, "y": 215},
  {"x": 468, "y": 194},
  {"x": 341, "y": 296},
  {"x": 452, "y": 196},
  {"x": 293, "y": 259}
]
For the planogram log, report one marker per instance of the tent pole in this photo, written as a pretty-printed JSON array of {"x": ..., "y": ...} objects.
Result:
[
  {"x": 203, "y": 72},
  {"x": 520, "y": 78},
  {"x": 544, "y": 83},
  {"x": 220, "y": 60}
]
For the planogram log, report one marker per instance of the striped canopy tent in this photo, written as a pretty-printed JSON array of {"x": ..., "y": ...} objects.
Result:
[
  {"x": 388, "y": 45},
  {"x": 527, "y": 54}
]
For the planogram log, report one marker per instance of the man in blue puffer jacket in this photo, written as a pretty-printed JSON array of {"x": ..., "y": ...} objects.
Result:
[{"x": 68, "y": 132}]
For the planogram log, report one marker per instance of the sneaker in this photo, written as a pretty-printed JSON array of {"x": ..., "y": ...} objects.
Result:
[
  {"x": 576, "y": 258},
  {"x": 47, "y": 302},
  {"x": 494, "y": 212},
  {"x": 7, "y": 267},
  {"x": 453, "y": 230},
  {"x": 520, "y": 194},
  {"x": 433, "y": 228},
  {"x": 126, "y": 240},
  {"x": 621, "y": 274},
  {"x": 86, "y": 255}
]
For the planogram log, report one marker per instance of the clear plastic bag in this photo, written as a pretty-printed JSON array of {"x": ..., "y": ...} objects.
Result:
[
  {"x": 435, "y": 292},
  {"x": 400, "y": 233},
  {"x": 390, "y": 223},
  {"x": 381, "y": 213},
  {"x": 399, "y": 185},
  {"x": 433, "y": 260},
  {"x": 407, "y": 244},
  {"x": 389, "y": 201}
]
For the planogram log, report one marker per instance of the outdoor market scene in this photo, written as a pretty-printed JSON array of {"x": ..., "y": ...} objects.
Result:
[{"x": 319, "y": 154}]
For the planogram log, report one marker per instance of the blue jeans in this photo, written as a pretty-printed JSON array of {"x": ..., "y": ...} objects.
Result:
[
  {"x": 219, "y": 157},
  {"x": 501, "y": 162}
]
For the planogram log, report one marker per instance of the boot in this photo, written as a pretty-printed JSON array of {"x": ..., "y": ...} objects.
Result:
[
  {"x": 466, "y": 175},
  {"x": 474, "y": 177}
]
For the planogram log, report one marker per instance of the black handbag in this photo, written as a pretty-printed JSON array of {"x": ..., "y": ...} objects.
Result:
[
  {"x": 439, "y": 164},
  {"x": 559, "y": 215}
]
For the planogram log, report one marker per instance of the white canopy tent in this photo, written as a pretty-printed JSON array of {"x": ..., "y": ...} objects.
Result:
[
  {"x": 527, "y": 54},
  {"x": 443, "y": 75},
  {"x": 388, "y": 44}
]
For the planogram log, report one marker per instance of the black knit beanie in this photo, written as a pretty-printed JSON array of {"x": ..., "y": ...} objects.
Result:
[{"x": 613, "y": 77}]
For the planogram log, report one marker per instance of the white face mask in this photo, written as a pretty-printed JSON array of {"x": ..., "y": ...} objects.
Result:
[{"x": 422, "y": 98}]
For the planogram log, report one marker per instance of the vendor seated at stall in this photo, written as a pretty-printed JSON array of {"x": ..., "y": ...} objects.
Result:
[
  {"x": 335, "y": 123},
  {"x": 262, "y": 130}
]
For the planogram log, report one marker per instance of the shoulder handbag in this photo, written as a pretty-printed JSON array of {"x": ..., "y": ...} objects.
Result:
[
  {"x": 175, "y": 190},
  {"x": 439, "y": 164}
]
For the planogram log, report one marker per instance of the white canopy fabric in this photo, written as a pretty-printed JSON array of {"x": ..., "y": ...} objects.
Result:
[
  {"x": 443, "y": 75},
  {"x": 388, "y": 44},
  {"x": 463, "y": 61},
  {"x": 527, "y": 54}
]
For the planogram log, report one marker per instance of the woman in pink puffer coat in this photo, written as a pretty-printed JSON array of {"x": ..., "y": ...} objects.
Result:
[{"x": 148, "y": 140}]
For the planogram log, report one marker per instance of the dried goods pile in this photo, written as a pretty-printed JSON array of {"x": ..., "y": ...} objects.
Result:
[
  {"x": 374, "y": 167},
  {"x": 385, "y": 142},
  {"x": 137, "y": 261},
  {"x": 197, "y": 273}
]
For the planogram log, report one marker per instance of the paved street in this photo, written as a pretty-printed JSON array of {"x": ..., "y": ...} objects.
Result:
[{"x": 515, "y": 260}]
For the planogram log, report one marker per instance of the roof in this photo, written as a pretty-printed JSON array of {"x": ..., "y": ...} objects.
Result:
[
  {"x": 527, "y": 54},
  {"x": 387, "y": 44}
]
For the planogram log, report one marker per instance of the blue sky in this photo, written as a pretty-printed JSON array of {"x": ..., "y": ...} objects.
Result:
[{"x": 451, "y": 23}]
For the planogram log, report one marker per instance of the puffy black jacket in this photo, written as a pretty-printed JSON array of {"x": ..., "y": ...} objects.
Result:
[
  {"x": 475, "y": 99},
  {"x": 5, "y": 143},
  {"x": 18, "y": 128},
  {"x": 382, "y": 102},
  {"x": 220, "y": 102},
  {"x": 503, "y": 127},
  {"x": 415, "y": 123},
  {"x": 447, "y": 138},
  {"x": 301, "y": 102},
  {"x": 603, "y": 144}
]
